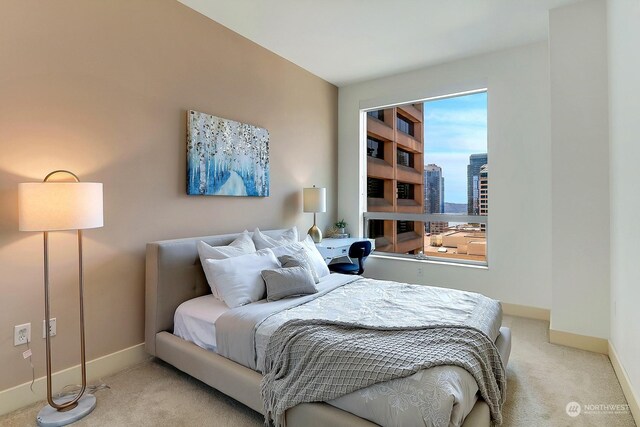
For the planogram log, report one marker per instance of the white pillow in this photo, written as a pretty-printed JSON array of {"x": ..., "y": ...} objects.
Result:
[
  {"x": 317, "y": 261},
  {"x": 242, "y": 245},
  {"x": 239, "y": 279},
  {"x": 262, "y": 241},
  {"x": 290, "y": 249},
  {"x": 311, "y": 254}
]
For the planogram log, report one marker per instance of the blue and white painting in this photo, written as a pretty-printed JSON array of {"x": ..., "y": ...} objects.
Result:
[{"x": 226, "y": 158}]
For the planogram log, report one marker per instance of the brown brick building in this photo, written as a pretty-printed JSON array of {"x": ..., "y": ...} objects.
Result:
[{"x": 395, "y": 167}]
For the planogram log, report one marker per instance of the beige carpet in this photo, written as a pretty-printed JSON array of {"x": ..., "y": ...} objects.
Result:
[{"x": 543, "y": 378}]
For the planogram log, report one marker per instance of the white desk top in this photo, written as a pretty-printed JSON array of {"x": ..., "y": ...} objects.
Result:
[
  {"x": 336, "y": 250},
  {"x": 331, "y": 243}
]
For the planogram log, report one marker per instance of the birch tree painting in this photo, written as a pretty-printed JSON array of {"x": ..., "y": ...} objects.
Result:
[{"x": 226, "y": 158}]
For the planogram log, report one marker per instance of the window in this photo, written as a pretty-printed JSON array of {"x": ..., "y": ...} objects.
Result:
[
  {"x": 405, "y": 158},
  {"x": 376, "y": 228},
  {"x": 404, "y": 226},
  {"x": 405, "y": 125},
  {"x": 405, "y": 191},
  {"x": 377, "y": 114},
  {"x": 441, "y": 203},
  {"x": 375, "y": 188},
  {"x": 375, "y": 148}
]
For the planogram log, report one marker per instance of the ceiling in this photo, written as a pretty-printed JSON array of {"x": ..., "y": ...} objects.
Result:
[{"x": 347, "y": 41}]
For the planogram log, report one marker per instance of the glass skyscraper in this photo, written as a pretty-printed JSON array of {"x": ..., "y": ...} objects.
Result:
[
  {"x": 433, "y": 189},
  {"x": 476, "y": 161}
]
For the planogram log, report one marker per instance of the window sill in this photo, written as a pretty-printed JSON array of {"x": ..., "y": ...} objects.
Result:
[
  {"x": 408, "y": 202},
  {"x": 409, "y": 169},
  {"x": 378, "y": 161},
  {"x": 429, "y": 260},
  {"x": 378, "y": 202},
  {"x": 407, "y": 236}
]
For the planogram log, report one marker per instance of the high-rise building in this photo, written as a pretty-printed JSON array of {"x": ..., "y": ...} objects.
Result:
[
  {"x": 434, "y": 196},
  {"x": 442, "y": 195},
  {"x": 484, "y": 190},
  {"x": 434, "y": 189},
  {"x": 395, "y": 167},
  {"x": 476, "y": 161}
]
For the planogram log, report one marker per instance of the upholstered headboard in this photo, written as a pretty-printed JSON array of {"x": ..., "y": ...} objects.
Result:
[{"x": 174, "y": 275}]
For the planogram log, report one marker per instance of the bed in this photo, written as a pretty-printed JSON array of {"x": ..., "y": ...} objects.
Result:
[{"x": 180, "y": 329}]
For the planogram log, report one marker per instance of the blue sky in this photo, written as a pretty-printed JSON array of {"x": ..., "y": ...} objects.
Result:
[{"x": 455, "y": 128}]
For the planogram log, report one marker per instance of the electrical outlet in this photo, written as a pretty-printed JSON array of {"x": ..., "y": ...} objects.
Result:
[
  {"x": 21, "y": 334},
  {"x": 52, "y": 328},
  {"x": 420, "y": 272}
]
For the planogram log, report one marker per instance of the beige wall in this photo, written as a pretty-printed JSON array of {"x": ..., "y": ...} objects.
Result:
[{"x": 102, "y": 88}]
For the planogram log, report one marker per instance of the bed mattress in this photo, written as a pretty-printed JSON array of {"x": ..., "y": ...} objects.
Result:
[{"x": 195, "y": 320}]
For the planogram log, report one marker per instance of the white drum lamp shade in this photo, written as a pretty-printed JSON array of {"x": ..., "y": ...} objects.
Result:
[
  {"x": 314, "y": 199},
  {"x": 54, "y": 206}
]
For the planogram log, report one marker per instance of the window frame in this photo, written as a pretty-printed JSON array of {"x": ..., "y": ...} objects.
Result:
[{"x": 366, "y": 216}]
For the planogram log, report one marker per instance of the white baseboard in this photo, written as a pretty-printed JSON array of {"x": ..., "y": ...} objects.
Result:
[
  {"x": 582, "y": 342},
  {"x": 526, "y": 311},
  {"x": 625, "y": 383},
  {"x": 20, "y": 396}
]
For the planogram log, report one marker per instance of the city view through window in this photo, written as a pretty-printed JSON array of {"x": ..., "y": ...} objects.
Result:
[{"x": 427, "y": 165}]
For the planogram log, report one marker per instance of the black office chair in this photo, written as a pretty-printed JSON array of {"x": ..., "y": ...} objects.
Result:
[{"x": 358, "y": 250}]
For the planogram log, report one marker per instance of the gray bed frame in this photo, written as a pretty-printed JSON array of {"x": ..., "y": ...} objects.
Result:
[{"x": 174, "y": 275}]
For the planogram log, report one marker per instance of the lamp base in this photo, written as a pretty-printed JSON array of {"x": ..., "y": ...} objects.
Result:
[
  {"x": 315, "y": 234},
  {"x": 50, "y": 417}
]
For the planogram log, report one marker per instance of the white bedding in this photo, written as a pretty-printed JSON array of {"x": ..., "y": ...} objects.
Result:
[
  {"x": 436, "y": 397},
  {"x": 195, "y": 319},
  {"x": 381, "y": 303},
  {"x": 440, "y": 396}
]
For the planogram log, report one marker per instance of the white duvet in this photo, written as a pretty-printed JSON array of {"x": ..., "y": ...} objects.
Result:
[{"x": 440, "y": 396}]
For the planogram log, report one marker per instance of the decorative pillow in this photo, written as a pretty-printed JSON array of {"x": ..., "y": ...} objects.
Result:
[
  {"x": 317, "y": 262},
  {"x": 299, "y": 259},
  {"x": 242, "y": 245},
  {"x": 238, "y": 279},
  {"x": 288, "y": 282},
  {"x": 262, "y": 241},
  {"x": 309, "y": 251}
]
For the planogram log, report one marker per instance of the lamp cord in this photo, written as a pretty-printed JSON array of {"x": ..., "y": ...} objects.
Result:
[
  {"x": 33, "y": 370},
  {"x": 73, "y": 389},
  {"x": 66, "y": 390}
]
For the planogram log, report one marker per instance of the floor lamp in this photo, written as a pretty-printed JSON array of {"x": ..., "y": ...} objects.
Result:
[
  {"x": 55, "y": 206},
  {"x": 314, "y": 200}
]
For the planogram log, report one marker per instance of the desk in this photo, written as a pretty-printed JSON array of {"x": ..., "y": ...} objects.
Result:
[{"x": 332, "y": 249}]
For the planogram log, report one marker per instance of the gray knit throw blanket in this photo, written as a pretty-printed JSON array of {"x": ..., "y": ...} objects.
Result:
[{"x": 319, "y": 360}]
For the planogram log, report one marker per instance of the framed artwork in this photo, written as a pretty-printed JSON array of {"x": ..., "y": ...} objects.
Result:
[{"x": 225, "y": 157}]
